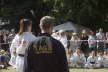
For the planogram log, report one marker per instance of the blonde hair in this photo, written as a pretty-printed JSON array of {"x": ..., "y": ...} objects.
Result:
[{"x": 47, "y": 22}]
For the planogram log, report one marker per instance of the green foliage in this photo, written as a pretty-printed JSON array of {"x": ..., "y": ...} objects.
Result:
[{"x": 86, "y": 12}]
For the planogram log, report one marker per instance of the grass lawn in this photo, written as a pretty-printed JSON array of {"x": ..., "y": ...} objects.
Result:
[{"x": 71, "y": 70}]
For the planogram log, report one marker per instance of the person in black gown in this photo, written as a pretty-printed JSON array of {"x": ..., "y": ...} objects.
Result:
[{"x": 45, "y": 54}]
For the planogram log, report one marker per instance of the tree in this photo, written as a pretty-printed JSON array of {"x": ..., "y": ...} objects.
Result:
[{"x": 85, "y": 12}]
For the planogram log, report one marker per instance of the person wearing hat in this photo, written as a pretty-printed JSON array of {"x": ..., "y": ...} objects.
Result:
[{"x": 46, "y": 54}]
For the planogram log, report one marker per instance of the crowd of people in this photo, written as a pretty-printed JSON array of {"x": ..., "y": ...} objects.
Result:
[
  {"x": 84, "y": 49},
  {"x": 6, "y": 38}
]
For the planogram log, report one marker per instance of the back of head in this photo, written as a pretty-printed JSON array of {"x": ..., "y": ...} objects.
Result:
[
  {"x": 46, "y": 22},
  {"x": 24, "y": 24}
]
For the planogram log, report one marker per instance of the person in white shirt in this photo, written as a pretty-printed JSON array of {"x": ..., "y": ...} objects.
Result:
[
  {"x": 100, "y": 60},
  {"x": 63, "y": 38},
  {"x": 20, "y": 44},
  {"x": 100, "y": 35},
  {"x": 100, "y": 44},
  {"x": 91, "y": 61},
  {"x": 106, "y": 59},
  {"x": 78, "y": 59},
  {"x": 70, "y": 57},
  {"x": 92, "y": 42}
]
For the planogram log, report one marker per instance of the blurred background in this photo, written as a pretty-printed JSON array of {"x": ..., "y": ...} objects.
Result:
[{"x": 92, "y": 14}]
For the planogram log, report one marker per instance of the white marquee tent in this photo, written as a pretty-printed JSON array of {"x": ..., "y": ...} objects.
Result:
[{"x": 69, "y": 26}]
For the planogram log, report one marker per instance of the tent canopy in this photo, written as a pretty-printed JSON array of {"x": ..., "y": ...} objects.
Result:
[{"x": 69, "y": 26}]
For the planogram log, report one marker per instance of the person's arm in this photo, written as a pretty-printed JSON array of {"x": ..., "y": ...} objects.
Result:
[
  {"x": 13, "y": 46},
  {"x": 28, "y": 59},
  {"x": 62, "y": 58}
]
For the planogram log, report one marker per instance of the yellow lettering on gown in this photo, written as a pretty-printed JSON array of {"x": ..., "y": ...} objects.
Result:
[{"x": 42, "y": 49}]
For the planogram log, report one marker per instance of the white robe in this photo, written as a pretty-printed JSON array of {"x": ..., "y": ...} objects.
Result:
[
  {"x": 106, "y": 62},
  {"x": 100, "y": 61},
  {"x": 19, "y": 45},
  {"x": 13, "y": 46},
  {"x": 89, "y": 60},
  {"x": 71, "y": 61},
  {"x": 77, "y": 61}
]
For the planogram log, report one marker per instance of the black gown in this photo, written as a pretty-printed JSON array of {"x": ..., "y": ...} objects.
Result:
[
  {"x": 45, "y": 54},
  {"x": 85, "y": 46}
]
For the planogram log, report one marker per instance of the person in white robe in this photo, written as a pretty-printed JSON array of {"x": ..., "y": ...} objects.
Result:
[
  {"x": 70, "y": 58},
  {"x": 100, "y": 60},
  {"x": 106, "y": 59},
  {"x": 13, "y": 46},
  {"x": 91, "y": 61},
  {"x": 78, "y": 59},
  {"x": 20, "y": 44}
]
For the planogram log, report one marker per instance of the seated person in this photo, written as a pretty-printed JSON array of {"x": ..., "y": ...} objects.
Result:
[
  {"x": 91, "y": 61},
  {"x": 70, "y": 57},
  {"x": 78, "y": 59},
  {"x": 106, "y": 59},
  {"x": 7, "y": 57},
  {"x": 100, "y": 60},
  {"x": 2, "y": 59}
]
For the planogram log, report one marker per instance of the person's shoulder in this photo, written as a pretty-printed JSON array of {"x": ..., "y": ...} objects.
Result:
[
  {"x": 37, "y": 39},
  {"x": 55, "y": 40},
  {"x": 30, "y": 35}
]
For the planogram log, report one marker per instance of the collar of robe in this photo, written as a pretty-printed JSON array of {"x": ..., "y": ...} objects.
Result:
[{"x": 45, "y": 34}]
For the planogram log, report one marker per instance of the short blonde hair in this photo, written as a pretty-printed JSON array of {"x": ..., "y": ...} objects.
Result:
[{"x": 47, "y": 22}]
